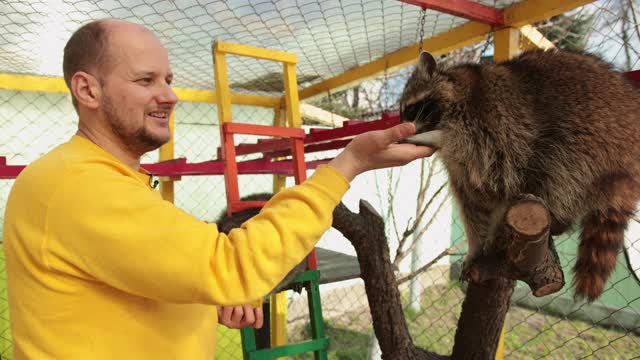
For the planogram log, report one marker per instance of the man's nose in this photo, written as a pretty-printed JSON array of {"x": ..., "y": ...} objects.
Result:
[{"x": 166, "y": 95}]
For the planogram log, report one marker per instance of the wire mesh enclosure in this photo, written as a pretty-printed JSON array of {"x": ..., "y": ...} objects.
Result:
[{"x": 330, "y": 38}]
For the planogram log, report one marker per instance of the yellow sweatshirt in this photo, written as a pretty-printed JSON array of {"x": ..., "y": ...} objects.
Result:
[{"x": 100, "y": 267}]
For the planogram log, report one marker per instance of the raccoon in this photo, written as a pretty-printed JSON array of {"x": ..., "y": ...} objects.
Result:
[{"x": 560, "y": 125}]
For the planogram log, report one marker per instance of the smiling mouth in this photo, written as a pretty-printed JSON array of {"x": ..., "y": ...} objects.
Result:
[{"x": 160, "y": 115}]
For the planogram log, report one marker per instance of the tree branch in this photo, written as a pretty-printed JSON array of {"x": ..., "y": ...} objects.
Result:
[
  {"x": 366, "y": 232},
  {"x": 424, "y": 229},
  {"x": 449, "y": 251},
  {"x": 522, "y": 250}
]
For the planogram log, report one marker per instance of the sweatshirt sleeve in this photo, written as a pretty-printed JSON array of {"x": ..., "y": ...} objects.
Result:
[{"x": 111, "y": 228}]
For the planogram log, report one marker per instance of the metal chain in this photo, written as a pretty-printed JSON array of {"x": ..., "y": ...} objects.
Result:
[
  {"x": 385, "y": 84},
  {"x": 487, "y": 42},
  {"x": 423, "y": 19}
]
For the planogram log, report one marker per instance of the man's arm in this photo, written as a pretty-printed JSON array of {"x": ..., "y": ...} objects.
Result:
[{"x": 108, "y": 227}]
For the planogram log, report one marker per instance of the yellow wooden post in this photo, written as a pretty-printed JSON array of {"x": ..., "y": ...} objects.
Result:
[
  {"x": 292, "y": 116},
  {"x": 166, "y": 153},
  {"x": 507, "y": 43},
  {"x": 506, "y": 46},
  {"x": 278, "y": 304},
  {"x": 500, "y": 349},
  {"x": 222, "y": 85},
  {"x": 291, "y": 95}
]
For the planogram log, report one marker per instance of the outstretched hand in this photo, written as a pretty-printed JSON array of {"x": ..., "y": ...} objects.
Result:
[
  {"x": 237, "y": 317},
  {"x": 378, "y": 149}
]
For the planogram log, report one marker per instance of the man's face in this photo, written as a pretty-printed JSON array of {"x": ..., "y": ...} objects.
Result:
[{"x": 136, "y": 97}]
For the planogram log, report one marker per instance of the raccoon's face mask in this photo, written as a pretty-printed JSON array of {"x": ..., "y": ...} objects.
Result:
[{"x": 420, "y": 102}]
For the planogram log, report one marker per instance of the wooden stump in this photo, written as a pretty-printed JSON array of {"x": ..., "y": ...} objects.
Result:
[{"x": 523, "y": 250}]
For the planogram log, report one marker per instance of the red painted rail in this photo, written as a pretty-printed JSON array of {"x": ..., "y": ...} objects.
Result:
[
  {"x": 317, "y": 140},
  {"x": 463, "y": 8}
]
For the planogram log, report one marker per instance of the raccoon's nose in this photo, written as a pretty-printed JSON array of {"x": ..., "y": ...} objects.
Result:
[
  {"x": 409, "y": 113},
  {"x": 406, "y": 116}
]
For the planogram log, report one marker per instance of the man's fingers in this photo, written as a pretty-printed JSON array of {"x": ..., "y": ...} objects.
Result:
[
  {"x": 225, "y": 314},
  {"x": 399, "y": 132},
  {"x": 237, "y": 317},
  {"x": 249, "y": 318},
  {"x": 237, "y": 314},
  {"x": 417, "y": 151},
  {"x": 259, "y": 318}
]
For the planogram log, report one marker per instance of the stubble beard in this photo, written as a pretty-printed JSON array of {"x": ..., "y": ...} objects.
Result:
[{"x": 139, "y": 141}]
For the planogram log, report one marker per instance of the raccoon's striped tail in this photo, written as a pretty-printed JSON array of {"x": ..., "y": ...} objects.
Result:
[{"x": 601, "y": 239}]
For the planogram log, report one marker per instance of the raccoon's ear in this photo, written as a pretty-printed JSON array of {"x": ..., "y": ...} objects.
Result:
[{"x": 426, "y": 63}]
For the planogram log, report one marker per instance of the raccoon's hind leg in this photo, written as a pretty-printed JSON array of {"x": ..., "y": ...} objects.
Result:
[
  {"x": 477, "y": 226},
  {"x": 603, "y": 234}
]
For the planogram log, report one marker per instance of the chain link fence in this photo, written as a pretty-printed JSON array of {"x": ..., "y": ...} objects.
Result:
[{"x": 330, "y": 37}]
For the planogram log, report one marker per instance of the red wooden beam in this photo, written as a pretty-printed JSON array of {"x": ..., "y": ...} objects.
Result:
[
  {"x": 331, "y": 145},
  {"x": 463, "y": 8},
  {"x": 180, "y": 167},
  {"x": 327, "y": 139},
  {"x": 349, "y": 131},
  {"x": 634, "y": 76},
  {"x": 252, "y": 129},
  {"x": 9, "y": 171}
]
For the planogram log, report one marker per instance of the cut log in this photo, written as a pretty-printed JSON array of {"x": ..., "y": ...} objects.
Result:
[{"x": 523, "y": 250}]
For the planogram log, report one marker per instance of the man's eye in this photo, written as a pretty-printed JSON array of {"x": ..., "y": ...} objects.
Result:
[{"x": 145, "y": 81}]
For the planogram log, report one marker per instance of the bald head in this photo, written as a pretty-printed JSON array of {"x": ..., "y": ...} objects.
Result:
[{"x": 90, "y": 48}]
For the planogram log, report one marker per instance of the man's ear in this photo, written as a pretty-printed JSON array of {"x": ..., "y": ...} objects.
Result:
[
  {"x": 86, "y": 89},
  {"x": 426, "y": 64}
]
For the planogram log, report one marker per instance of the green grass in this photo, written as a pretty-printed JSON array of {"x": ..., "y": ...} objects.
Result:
[
  {"x": 345, "y": 343},
  {"x": 530, "y": 334},
  {"x": 5, "y": 331}
]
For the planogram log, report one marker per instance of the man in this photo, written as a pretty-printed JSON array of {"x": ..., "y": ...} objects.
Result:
[{"x": 100, "y": 267}]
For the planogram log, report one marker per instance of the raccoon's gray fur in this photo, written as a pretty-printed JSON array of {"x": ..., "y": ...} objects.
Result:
[{"x": 559, "y": 125}]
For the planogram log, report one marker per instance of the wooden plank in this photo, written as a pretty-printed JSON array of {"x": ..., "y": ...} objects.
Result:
[
  {"x": 471, "y": 10},
  {"x": 264, "y": 130},
  {"x": 19, "y": 82},
  {"x": 255, "y": 52},
  {"x": 531, "y": 11},
  {"x": 463, "y": 35},
  {"x": 517, "y": 15},
  {"x": 291, "y": 96},
  {"x": 535, "y": 38},
  {"x": 166, "y": 153}
]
